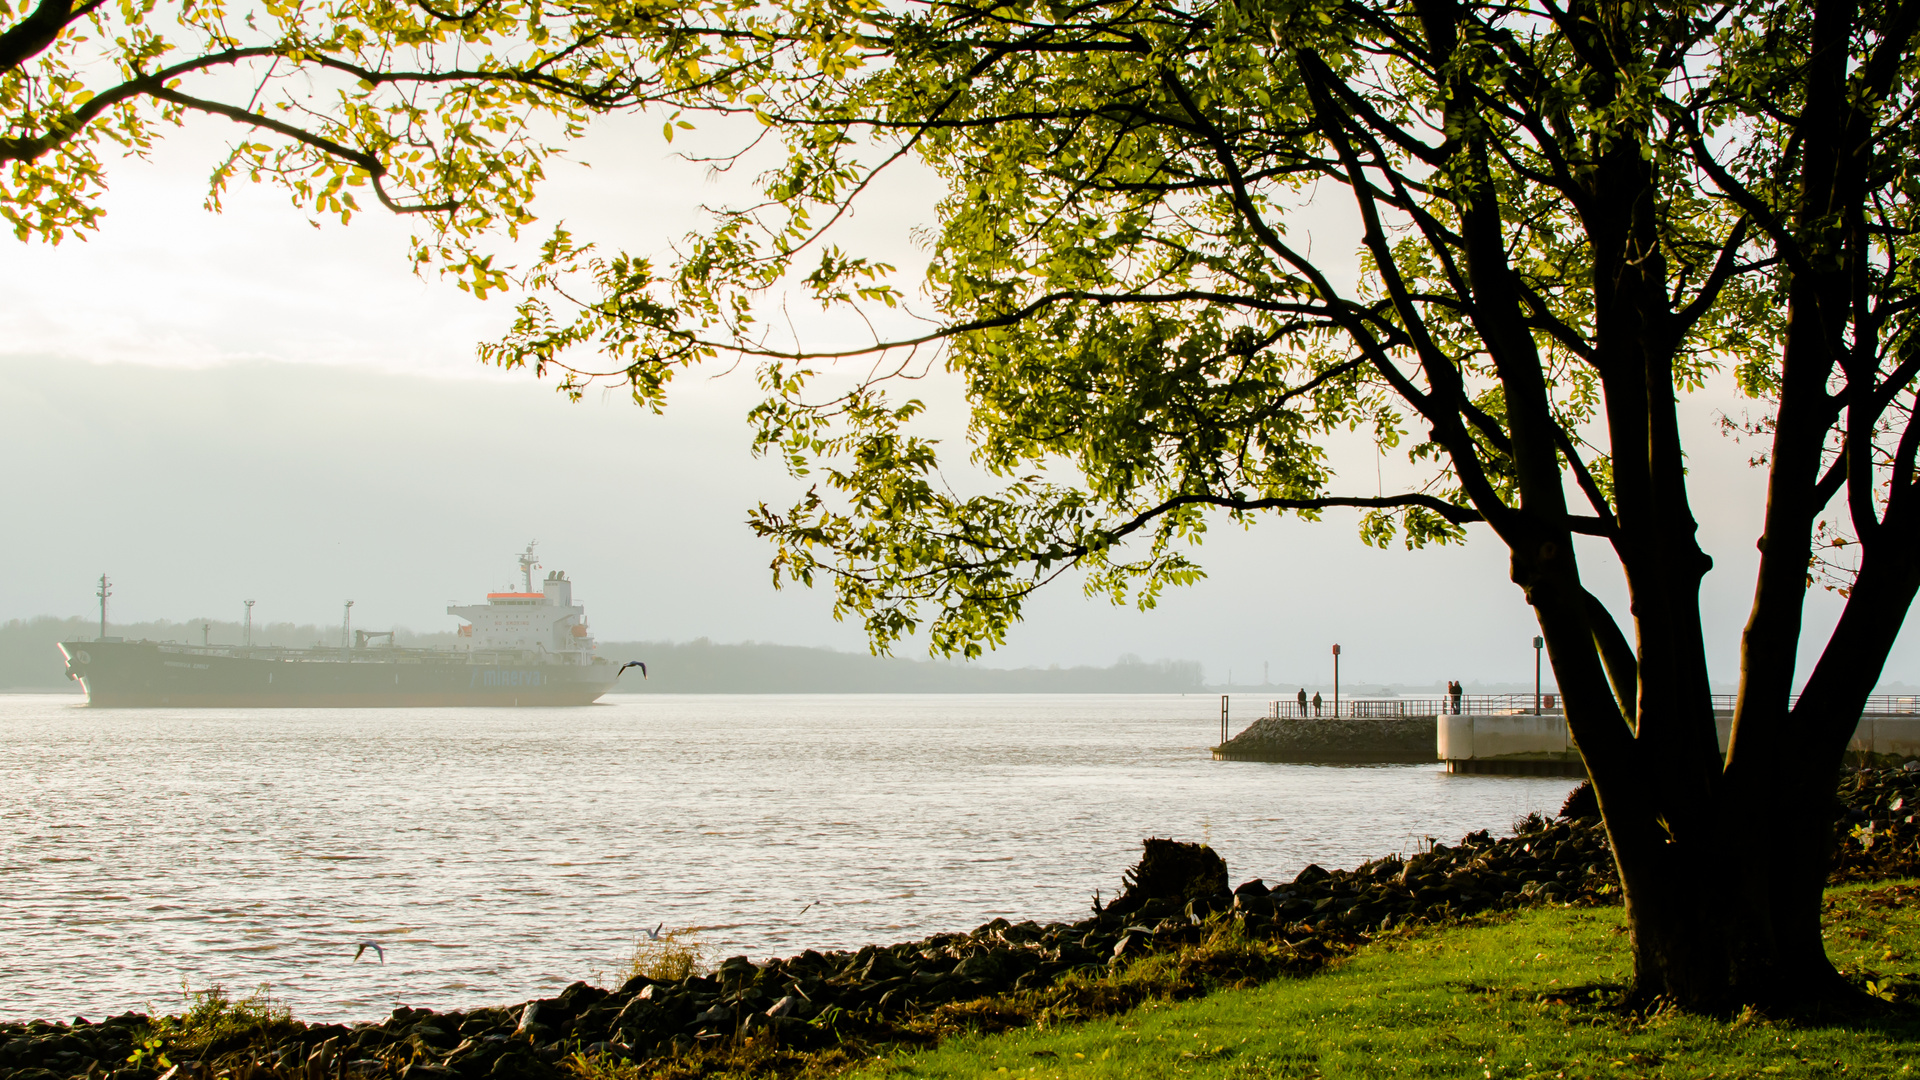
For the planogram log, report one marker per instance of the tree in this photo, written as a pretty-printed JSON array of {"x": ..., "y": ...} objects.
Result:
[
  {"x": 1572, "y": 213},
  {"x": 448, "y": 112}
]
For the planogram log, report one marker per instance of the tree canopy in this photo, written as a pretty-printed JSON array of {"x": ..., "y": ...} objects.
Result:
[
  {"x": 445, "y": 111},
  {"x": 1572, "y": 213}
]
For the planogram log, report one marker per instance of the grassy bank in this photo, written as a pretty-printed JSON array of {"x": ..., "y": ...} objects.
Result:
[{"x": 1525, "y": 995}]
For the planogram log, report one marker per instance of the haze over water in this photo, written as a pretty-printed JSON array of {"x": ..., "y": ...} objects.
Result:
[{"x": 498, "y": 855}]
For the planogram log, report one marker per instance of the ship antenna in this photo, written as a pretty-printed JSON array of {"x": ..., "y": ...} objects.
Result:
[
  {"x": 106, "y": 590},
  {"x": 528, "y": 564}
]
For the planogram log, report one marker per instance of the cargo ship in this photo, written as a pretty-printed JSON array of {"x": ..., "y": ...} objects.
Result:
[{"x": 530, "y": 647}]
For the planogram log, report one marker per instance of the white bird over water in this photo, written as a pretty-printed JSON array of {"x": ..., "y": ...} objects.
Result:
[
  {"x": 653, "y": 934},
  {"x": 375, "y": 946}
]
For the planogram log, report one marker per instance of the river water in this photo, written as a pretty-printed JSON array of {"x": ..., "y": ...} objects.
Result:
[{"x": 497, "y": 855}]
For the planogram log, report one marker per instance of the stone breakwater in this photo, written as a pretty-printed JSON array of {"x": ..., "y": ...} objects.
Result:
[
  {"x": 1350, "y": 740},
  {"x": 1879, "y": 829},
  {"x": 1176, "y": 899}
]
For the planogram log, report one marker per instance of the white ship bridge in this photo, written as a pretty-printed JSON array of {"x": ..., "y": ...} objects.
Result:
[{"x": 546, "y": 622}]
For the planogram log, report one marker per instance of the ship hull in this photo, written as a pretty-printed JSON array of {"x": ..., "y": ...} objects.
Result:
[{"x": 151, "y": 675}]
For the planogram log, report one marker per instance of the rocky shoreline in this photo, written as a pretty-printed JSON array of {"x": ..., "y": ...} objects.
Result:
[
  {"x": 1331, "y": 740},
  {"x": 1175, "y": 906}
]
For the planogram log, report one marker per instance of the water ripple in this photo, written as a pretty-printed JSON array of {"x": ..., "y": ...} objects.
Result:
[{"x": 500, "y": 854}]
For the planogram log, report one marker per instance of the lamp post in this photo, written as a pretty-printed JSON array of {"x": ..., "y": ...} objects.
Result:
[
  {"x": 1538, "y": 641},
  {"x": 1336, "y": 680}
]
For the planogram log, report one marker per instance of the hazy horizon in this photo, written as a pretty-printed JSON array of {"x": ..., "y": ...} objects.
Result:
[
  {"x": 29, "y": 662},
  {"x": 212, "y": 408},
  {"x": 231, "y": 482}
]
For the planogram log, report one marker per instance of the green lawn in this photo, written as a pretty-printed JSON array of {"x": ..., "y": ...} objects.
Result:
[{"x": 1523, "y": 997}]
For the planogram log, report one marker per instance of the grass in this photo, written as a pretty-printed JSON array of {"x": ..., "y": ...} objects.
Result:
[
  {"x": 1222, "y": 957},
  {"x": 1524, "y": 996},
  {"x": 669, "y": 956},
  {"x": 211, "y": 1024}
]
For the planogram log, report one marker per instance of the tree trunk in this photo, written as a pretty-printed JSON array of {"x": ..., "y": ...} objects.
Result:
[
  {"x": 1723, "y": 856},
  {"x": 1730, "y": 914},
  {"x": 1701, "y": 941}
]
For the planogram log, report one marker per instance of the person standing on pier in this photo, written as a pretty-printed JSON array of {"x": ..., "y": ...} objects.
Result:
[
  {"x": 1454, "y": 691},
  {"x": 1303, "y": 703},
  {"x": 1316, "y": 703}
]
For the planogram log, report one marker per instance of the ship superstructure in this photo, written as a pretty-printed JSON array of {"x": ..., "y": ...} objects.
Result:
[
  {"x": 547, "y": 622},
  {"x": 518, "y": 648}
]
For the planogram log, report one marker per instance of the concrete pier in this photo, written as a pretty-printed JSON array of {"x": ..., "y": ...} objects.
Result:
[
  {"x": 1540, "y": 745},
  {"x": 1513, "y": 745},
  {"x": 1487, "y": 733},
  {"x": 1896, "y": 735}
]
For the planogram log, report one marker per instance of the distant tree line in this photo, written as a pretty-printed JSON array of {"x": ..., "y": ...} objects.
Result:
[{"x": 706, "y": 667}]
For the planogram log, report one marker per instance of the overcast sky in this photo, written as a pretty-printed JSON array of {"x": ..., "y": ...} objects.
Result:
[{"x": 219, "y": 407}]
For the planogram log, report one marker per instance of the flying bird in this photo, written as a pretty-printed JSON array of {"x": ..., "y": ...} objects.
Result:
[
  {"x": 803, "y": 910},
  {"x": 375, "y": 946},
  {"x": 653, "y": 934},
  {"x": 631, "y": 663}
]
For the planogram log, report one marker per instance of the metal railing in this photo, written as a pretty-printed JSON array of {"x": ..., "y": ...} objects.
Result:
[
  {"x": 1877, "y": 705},
  {"x": 1515, "y": 704},
  {"x": 1466, "y": 704}
]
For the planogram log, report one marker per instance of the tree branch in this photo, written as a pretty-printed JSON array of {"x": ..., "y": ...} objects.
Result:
[
  {"x": 1616, "y": 655},
  {"x": 27, "y": 38},
  {"x": 1453, "y": 512},
  {"x": 375, "y": 169}
]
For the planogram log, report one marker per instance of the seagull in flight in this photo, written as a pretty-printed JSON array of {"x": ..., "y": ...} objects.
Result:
[
  {"x": 631, "y": 663},
  {"x": 653, "y": 934},
  {"x": 375, "y": 946}
]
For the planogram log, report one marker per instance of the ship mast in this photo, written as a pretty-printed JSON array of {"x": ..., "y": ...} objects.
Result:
[
  {"x": 528, "y": 564},
  {"x": 248, "y": 639},
  {"x": 106, "y": 590},
  {"x": 346, "y": 625}
]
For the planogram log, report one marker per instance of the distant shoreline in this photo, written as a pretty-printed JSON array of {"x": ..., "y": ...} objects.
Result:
[{"x": 30, "y": 659}]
